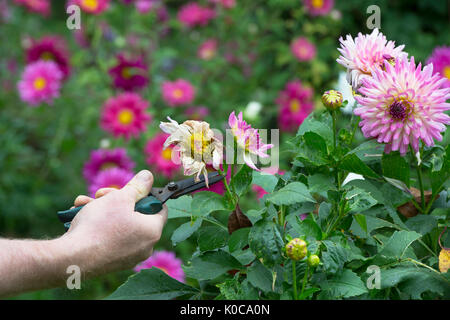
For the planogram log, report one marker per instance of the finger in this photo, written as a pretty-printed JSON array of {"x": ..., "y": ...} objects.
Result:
[
  {"x": 139, "y": 187},
  {"x": 103, "y": 191},
  {"x": 154, "y": 221},
  {"x": 82, "y": 200}
]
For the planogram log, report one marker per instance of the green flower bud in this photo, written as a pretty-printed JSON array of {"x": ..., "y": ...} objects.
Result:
[
  {"x": 296, "y": 249},
  {"x": 313, "y": 260},
  {"x": 332, "y": 99}
]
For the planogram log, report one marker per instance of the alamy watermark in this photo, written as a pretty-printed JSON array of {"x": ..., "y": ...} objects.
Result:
[
  {"x": 374, "y": 20},
  {"x": 74, "y": 280},
  {"x": 74, "y": 20},
  {"x": 374, "y": 281}
]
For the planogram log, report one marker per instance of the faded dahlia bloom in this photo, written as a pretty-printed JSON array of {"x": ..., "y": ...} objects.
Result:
[
  {"x": 303, "y": 49},
  {"x": 192, "y": 14},
  {"x": 43, "y": 7},
  {"x": 207, "y": 49},
  {"x": 318, "y": 7},
  {"x": 92, "y": 6},
  {"x": 196, "y": 113},
  {"x": 124, "y": 115},
  {"x": 50, "y": 48},
  {"x": 103, "y": 159},
  {"x": 402, "y": 105},
  {"x": 294, "y": 105},
  {"x": 110, "y": 178},
  {"x": 176, "y": 93},
  {"x": 197, "y": 146},
  {"x": 160, "y": 158},
  {"x": 166, "y": 261},
  {"x": 365, "y": 54},
  {"x": 440, "y": 58},
  {"x": 41, "y": 82},
  {"x": 129, "y": 74},
  {"x": 247, "y": 139}
]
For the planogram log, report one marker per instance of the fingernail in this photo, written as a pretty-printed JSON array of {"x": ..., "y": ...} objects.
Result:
[{"x": 144, "y": 176}]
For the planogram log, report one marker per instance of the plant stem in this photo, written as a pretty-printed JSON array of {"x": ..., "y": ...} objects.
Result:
[
  {"x": 227, "y": 187},
  {"x": 294, "y": 279},
  {"x": 336, "y": 171},
  {"x": 304, "y": 280},
  {"x": 422, "y": 195}
]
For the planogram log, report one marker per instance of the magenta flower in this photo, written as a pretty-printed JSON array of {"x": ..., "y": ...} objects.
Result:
[
  {"x": 402, "y": 105},
  {"x": 92, "y": 6},
  {"x": 247, "y": 139},
  {"x": 365, "y": 54},
  {"x": 159, "y": 158},
  {"x": 166, "y": 261},
  {"x": 43, "y": 7},
  {"x": 110, "y": 178},
  {"x": 303, "y": 49},
  {"x": 196, "y": 113},
  {"x": 440, "y": 58},
  {"x": 177, "y": 92},
  {"x": 207, "y": 49},
  {"x": 129, "y": 74},
  {"x": 41, "y": 82},
  {"x": 50, "y": 48},
  {"x": 295, "y": 105},
  {"x": 103, "y": 159},
  {"x": 124, "y": 115},
  {"x": 318, "y": 7},
  {"x": 192, "y": 14}
]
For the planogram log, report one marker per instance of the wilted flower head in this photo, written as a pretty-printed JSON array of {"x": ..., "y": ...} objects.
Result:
[
  {"x": 365, "y": 54},
  {"x": 159, "y": 157},
  {"x": 303, "y": 49},
  {"x": 110, "y": 178},
  {"x": 41, "y": 82},
  {"x": 177, "y": 92},
  {"x": 103, "y": 159},
  {"x": 197, "y": 146},
  {"x": 294, "y": 105},
  {"x": 42, "y": 7},
  {"x": 192, "y": 14},
  {"x": 207, "y": 49},
  {"x": 332, "y": 99},
  {"x": 440, "y": 58},
  {"x": 166, "y": 261},
  {"x": 125, "y": 115},
  {"x": 402, "y": 105},
  {"x": 318, "y": 7},
  {"x": 92, "y": 6},
  {"x": 129, "y": 74},
  {"x": 247, "y": 139}
]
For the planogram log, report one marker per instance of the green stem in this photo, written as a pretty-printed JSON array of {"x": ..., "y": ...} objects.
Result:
[
  {"x": 227, "y": 187},
  {"x": 304, "y": 280},
  {"x": 422, "y": 194},
  {"x": 336, "y": 171},
  {"x": 294, "y": 279}
]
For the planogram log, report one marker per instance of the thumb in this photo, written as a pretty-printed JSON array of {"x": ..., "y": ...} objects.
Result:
[{"x": 139, "y": 187}]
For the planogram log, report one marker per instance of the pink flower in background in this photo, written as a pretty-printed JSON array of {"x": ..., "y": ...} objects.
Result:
[
  {"x": 248, "y": 139},
  {"x": 227, "y": 4},
  {"x": 294, "y": 105},
  {"x": 207, "y": 49},
  {"x": 440, "y": 58},
  {"x": 192, "y": 14},
  {"x": 318, "y": 7},
  {"x": 92, "y": 6},
  {"x": 402, "y": 105},
  {"x": 110, "y": 178},
  {"x": 129, "y": 74},
  {"x": 196, "y": 113},
  {"x": 161, "y": 159},
  {"x": 365, "y": 54},
  {"x": 50, "y": 48},
  {"x": 43, "y": 7},
  {"x": 166, "y": 261},
  {"x": 177, "y": 92},
  {"x": 125, "y": 115},
  {"x": 303, "y": 49},
  {"x": 103, "y": 159},
  {"x": 40, "y": 82}
]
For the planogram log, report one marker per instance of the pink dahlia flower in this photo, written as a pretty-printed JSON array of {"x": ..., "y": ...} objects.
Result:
[
  {"x": 303, "y": 49},
  {"x": 192, "y": 14},
  {"x": 294, "y": 105},
  {"x": 110, "y": 178},
  {"x": 124, "y": 115},
  {"x": 103, "y": 159},
  {"x": 92, "y": 6},
  {"x": 43, "y": 7},
  {"x": 402, "y": 105},
  {"x": 440, "y": 58},
  {"x": 129, "y": 74},
  {"x": 166, "y": 261},
  {"x": 318, "y": 7},
  {"x": 196, "y": 113},
  {"x": 248, "y": 139},
  {"x": 159, "y": 158},
  {"x": 50, "y": 48},
  {"x": 177, "y": 92},
  {"x": 41, "y": 82},
  {"x": 207, "y": 49},
  {"x": 365, "y": 54}
]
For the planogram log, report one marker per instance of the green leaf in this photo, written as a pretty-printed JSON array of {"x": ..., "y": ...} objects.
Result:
[
  {"x": 369, "y": 152},
  {"x": 266, "y": 242},
  {"x": 345, "y": 285},
  {"x": 396, "y": 167},
  {"x": 179, "y": 208},
  {"x": 361, "y": 220},
  {"x": 265, "y": 180},
  {"x": 372, "y": 223},
  {"x": 212, "y": 237},
  {"x": 206, "y": 202},
  {"x": 294, "y": 192},
  {"x": 319, "y": 124},
  {"x": 359, "y": 200},
  {"x": 335, "y": 257},
  {"x": 232, "y": 289},
  {"x": 242, "y": 180},
  {"x": 151, "y": 284},
  {"x": 352, "y": 163},
  {"x": 185, "y": 231},
  {"x": 210, "y": 265},
  {"x": 438, "y": 178},
  {"x": 320, "y": 183},
  {"x": 422, "y": 224},
  {"x": 396, "y": 246},
  {"x": 260, "y": 277},
  {"x": 238, "y": 239},
  {"x": 307, "y": 228},
  {"x": 312, "y": 150}
]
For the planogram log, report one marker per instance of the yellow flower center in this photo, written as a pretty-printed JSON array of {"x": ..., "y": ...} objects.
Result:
[
  {"x": 126, "y": 73},
  {"x": 108, "y": 165},
  {"x": 198, "y": 144},
  {"x": 39, "y": 83},
  {"x": 115, "y": 186},
  {"x": 302, "y": 51},
  {"x": 317, "y": 3},
  {"x": 294, "y": 105},
  {"x": 208, "y": 54},
  {"x": 46, "y": 56},
  {"x": 167, "y": 154},
  {"x": 177, "y": 93},
  {"x": 446, "y": 72},
  {"x": 90, "y": 4},
  {"x": 126, "y": 117}
]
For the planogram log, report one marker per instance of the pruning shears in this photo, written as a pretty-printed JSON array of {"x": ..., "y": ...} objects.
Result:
[{"x": 153, "y": 202}]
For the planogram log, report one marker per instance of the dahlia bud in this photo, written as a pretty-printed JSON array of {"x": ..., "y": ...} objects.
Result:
[
  {"x": 332, "y": 99},
  {"x": 313, "y": 260},
  {"x": 296, "y": 249}
]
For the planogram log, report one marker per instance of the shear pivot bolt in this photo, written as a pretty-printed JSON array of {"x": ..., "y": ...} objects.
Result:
[{"x": 172, "y": 186}]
